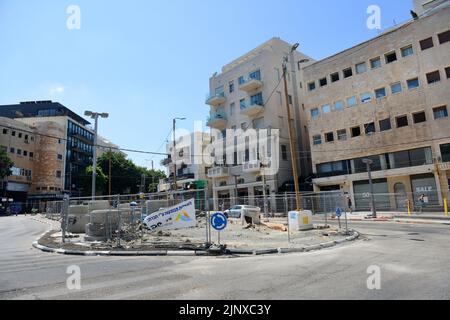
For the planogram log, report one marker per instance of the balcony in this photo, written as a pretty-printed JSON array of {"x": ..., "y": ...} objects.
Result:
[
  {"x": 252, "y": 166},
  {"x": 250, "y": 84},
  {"x": 252, "y": 109},
  {"x": 217, "y": 120},
  {"x": 215, "y": 99},
  {"x": 218, "y": 172}
]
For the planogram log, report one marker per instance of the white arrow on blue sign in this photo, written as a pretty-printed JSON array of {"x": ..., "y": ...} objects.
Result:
[{"x": 219, "y": 221}]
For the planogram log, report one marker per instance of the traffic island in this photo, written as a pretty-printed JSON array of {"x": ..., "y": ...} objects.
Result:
[{"x": 236, "y": 239}]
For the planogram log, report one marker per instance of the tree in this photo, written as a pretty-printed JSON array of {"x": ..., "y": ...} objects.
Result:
[
  {"x": 5, "y": 164},
  {"x": 126, "y": 175},
  {"x": 86, "y": 181}
]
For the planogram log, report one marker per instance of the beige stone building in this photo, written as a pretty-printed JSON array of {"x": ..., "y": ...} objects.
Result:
[
  {"x": 37, "y": 157},
  {"x": 249, "y": 94},
  {"x": 386, "y": 99}
]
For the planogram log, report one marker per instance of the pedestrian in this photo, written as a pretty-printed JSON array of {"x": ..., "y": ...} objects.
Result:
[
  {"x": 421, "y": 202},
  {"x": 349, "y": 204}
]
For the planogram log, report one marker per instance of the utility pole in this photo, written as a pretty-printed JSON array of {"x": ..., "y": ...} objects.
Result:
[
  {"x": 109, "y": 174},
  {"x": 174, "y": 160},
  {"x": 263, "y": 174},
  {"x": 368, "y": 163},
  {"x": 291, "y": 134}
]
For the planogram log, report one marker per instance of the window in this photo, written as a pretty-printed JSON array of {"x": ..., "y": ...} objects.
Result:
[
  {"x": 407, "y": 51},
  {"x": 366, "y": 97},
  {"x": 433, "y": 77},
  {"x": 232, "y": 108},
  {"x": 426, "y": 44},
  {"x": 58, "y": 174},
  {"x": 356, "y": 131},
  {"x": 13, "y": 133},
  {"x": 31, "y": 154},
  {"x": 361, "y": 68},
  {"x": 326, "y": 109},
  {"x": 255, "y": 75},
  {"x": 20, "y": 134},
  {"x": 338, "y": 105},
  {"x": 402, "y": 121},
  {"x": 329, "y": 137},
  {"x": 290, "y": 99},
  {"x": 342, "y": 135},
  {"x": 231, "y": 86},
  {"x": 440, "y": 112},
  {"x": 60, "y": 157},
  {"x": 396, "y": 88},
  {"x": 348, "y": 73},
  {"x": 375, "y": 63},
  {"x": 25, "y": 153},
  {"x": 311, "y": 86},
  {"x": 380, "y": 93},
  {"x": 284, "y": 154},
  {"x": 256, "y": 99},
  {"x": 447, "y": 72},
  {"x": 444, "y": 37},
  {"x": 242, "y": 103},
  {"x": 445, "y": 152},
  {"x": 323, "y": 82},
  {"x": 385, "y": 124},
  {"x": 334, "y": 77},
  {"x": 19, "y": 152},
  {"x": 314, "y": 113},
  {"x": 351, "y": 102},
  {"x": 12, "y": 150},
  {"x": 413, "y": 83},
  {"x": 241, "y": 80},
  {"x": 317, "y": 139},
  {"x": 419, "y": 117},
  {"x": 369, "y": 128},
  {"x": 391, "y": 57},
  {"x": 5, "y": 131}
]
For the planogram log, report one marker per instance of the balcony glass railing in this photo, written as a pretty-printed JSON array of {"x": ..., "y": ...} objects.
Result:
[
  {"x": 245, "y": 80},
  {"x": 211, "y": 96},
  {"x": 217, "y": 116},
  {"x": 252, "y": 104}
]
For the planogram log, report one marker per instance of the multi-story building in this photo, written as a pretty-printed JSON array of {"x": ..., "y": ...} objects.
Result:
[
  {"x": 189, "y": 160},
  {"x": 249, "y": 93},
  {"x": 67, "y": 139},
  {"x": 37, "y": 157},
  {"x": 386, "y": 100}
]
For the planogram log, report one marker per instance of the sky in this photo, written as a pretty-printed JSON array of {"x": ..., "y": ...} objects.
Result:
[{"x": 146, "y": 61}]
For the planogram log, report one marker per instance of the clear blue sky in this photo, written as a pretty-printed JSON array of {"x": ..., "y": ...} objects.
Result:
[{"x": 146, "y": 61}]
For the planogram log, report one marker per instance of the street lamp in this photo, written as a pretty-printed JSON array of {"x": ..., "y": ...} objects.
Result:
[
  {"x": 95, "y": 116},
  {"x": 175, "y": 187},
  {"x": 368, "y": 163},
  {"x": 291, "y": 133}
]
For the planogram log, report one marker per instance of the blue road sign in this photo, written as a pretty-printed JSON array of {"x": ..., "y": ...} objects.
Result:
[
  {"x": 338, "y": 212},
  {"x": 219, "y": 221}
]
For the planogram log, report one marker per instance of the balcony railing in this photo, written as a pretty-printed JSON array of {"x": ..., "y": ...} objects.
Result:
[
  {"x": 252, "y": 108},
  {"x": 217, "y": 120},
  {"x": 252, "y": 166},
  {"x": 214, "y": 99},
  {"x": 218, "y": 172},
  {"x": 250, "y": 84}
]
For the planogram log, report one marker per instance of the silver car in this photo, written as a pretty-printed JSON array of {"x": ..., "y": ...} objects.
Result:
[{"x": 248, "y": 211}]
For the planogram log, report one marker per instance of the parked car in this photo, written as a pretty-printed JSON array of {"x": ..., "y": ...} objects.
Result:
[{"x": 248, "y": 211}]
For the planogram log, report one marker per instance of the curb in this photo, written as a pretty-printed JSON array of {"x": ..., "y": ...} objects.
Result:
[{"x": 191, "y": 253}]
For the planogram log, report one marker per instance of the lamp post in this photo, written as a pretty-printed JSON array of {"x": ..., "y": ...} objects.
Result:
[
  {"x": 95, "y": 116},
  {"x": 368, "y": 163},
  {"x": 175, "y": 187},
  {"x": 291, "y": 132}
]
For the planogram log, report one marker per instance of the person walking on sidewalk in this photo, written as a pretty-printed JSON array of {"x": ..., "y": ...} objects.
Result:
[
  {"x": 421, "y": 203},
  {"x": 349, "y": 204}
]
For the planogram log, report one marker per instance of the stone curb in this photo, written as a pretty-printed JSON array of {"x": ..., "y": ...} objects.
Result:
[{"x": 258, "y": 252}]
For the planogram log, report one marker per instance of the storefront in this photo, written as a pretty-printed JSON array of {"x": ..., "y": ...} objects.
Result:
[
  {"x": 362, "y": 194},
  {"x": 425, "y": 184}
]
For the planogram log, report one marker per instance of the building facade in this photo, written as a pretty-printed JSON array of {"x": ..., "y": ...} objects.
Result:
[
  {"x": 189, "y": 160},
  {"x": 249, "y": 94},
  {"x": 386, "y": 100},
  {"x": 65, "y": 141}
]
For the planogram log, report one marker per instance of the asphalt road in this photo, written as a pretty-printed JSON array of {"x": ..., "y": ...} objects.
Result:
[{"x": 413, "y": 260}]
